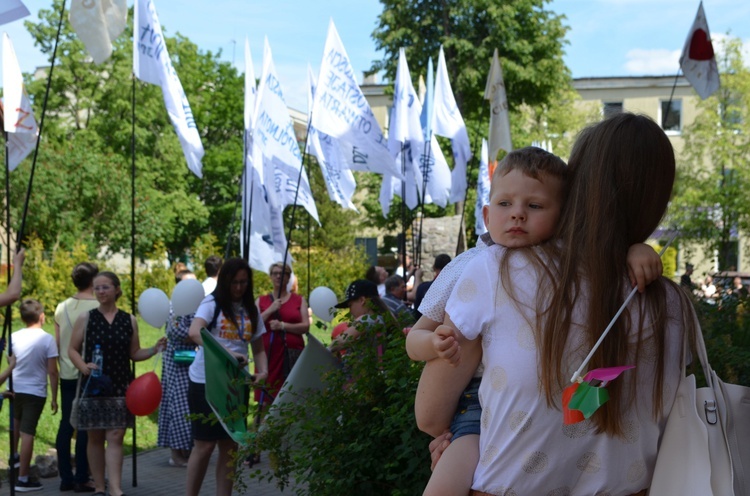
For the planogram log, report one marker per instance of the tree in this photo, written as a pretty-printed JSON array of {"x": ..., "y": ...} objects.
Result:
[
  {"x": 713, "y": 177},
  {"x": 530, "y": 40},
  {"x": 84, "y": 166}
]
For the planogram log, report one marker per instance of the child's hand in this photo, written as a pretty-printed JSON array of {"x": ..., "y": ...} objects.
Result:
[
  {"x": 644, "y": 266},
  {"x": 445, "y": 344},
  {"x": 54, "y": 407}
]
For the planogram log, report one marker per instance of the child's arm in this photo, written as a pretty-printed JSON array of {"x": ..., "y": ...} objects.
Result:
[
  {"x": 442, "y": 383},
  {"x": 53, "y": 381},
  {"x": 423, "y": 343},
  {"x": 644, "y": 265},
  {"x": 13, "y": 292},
  {"x": 261, "y": 360},
  {"x": 9, "y": 369}
]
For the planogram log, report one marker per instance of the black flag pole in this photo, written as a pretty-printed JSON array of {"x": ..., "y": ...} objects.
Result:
[
  {"x": 21, "y": 231},
  {"x": 132, "y": 258}
]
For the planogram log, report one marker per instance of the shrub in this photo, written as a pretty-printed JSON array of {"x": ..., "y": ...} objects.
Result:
[
  {"x": 358, "y": 435},
  {"x": 726, "y": 330}
]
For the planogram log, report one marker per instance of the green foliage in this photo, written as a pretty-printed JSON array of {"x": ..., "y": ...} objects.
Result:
[
  {"x": 85, "y": 160},
  {"x": 47, "y": 278},
  {"x": 726, "y": 330},
  {"x": 358, "y": 435},
  {"x": 713, "y": 177},
  {"x": 334, "y": 269}
]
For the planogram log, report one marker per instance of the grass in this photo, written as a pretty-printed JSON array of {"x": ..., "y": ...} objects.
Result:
[{"x": 146, "y": 427}]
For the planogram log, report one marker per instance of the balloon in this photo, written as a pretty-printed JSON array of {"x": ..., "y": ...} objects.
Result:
[
  {"x": 153, "y": 306},
  {"x": 186, "y": 297},
  {"x": 339, "y": 329},
  {"x": 322, "y": 301},
  {"x": 144, "y": 394}
]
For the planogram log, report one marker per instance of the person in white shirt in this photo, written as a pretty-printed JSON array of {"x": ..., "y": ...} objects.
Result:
[
  {"x": 36, "y": 355},
  {"x": 213, "y": 266}
]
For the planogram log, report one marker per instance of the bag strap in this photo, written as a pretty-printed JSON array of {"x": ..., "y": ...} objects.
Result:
[
  {"x": 217, "y": 310},
  {"x": 700, "y": 347}
]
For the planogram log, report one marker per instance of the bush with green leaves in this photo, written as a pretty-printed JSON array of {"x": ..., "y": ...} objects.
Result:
[
  {"x": 726, "y": 330},
  {"x": 359, "y": 434}
]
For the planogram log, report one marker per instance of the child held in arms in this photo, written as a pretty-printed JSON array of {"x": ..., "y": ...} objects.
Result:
[{"x": 526, "y": 197}]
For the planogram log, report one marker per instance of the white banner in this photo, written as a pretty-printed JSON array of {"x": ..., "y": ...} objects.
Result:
[
  {"x": 421, "y": 166},
  {"x": 341, "y": 111},
  {"x": 338, "y": 177},
  {"x": 18, "y": 116},
  {"x": 499, "y": 117},
  {"x": 447, "y": 121},
  {"x": 98, "y": 23},
  {"x": 276, "y": 140},
  {"x": 12, "y": 10},
  {"x": 151, "y": 63}
]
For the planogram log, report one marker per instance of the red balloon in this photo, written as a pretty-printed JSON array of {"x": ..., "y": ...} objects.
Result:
[
  {"x": 144, "y": 394},
  {"x": 340, "y": 328}
]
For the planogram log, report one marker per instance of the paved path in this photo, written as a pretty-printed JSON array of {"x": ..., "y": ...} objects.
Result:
[{"x": 156, "y": 477}]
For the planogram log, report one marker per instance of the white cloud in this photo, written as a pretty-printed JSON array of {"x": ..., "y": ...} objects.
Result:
[{"x": 654, "y": 61}]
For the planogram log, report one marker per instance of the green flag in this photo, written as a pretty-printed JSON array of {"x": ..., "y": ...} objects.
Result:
[{"x": 225, "y": 387}]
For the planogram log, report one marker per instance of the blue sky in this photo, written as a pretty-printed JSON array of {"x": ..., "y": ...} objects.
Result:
[{"x": 606, "y": 37}]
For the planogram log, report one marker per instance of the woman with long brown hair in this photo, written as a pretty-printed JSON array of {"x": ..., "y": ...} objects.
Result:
[{"x": 540, "y": 310}]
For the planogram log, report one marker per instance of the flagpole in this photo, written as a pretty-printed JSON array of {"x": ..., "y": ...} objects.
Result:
[
  {"x": 286, "y": 252},
  {"x": 9, "y": 317},
  {"x": 19, "y": 238},
  {"x": 132, "y": 256},
  {"x": 402, "y": 248},
  {"x": 466, "y": 194},
  {"x": 426, "y": 156},
  {"x": 669, "y": 103},
  {"x": 234, "y": 213}
]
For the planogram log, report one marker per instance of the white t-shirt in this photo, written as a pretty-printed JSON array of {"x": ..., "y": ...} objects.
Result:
[
  {"x": 433, "y": 303},
  {"x": 66, "y": 314},
  {"x": 209, "y": 285},
  {"x": 226, "y": 334},
  {"x": 32, "y": 348},
  {"x": 524, "y": 447}
]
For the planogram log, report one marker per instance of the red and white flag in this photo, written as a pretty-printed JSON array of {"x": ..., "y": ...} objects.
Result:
[
  {"x": 698, "y": 61},
  {"x": 18, "y": 117}
]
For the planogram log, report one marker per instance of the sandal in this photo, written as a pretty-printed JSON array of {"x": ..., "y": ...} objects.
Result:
[{"x": 252, "y": 460}]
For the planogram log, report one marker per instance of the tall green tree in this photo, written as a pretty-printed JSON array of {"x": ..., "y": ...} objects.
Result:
[
  {"x": 710, "y": 205},
  {"x": 529, "y": 37},
  {"x": 82, "y": 186}
]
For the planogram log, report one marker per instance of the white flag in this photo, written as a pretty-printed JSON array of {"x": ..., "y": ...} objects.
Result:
[
  {"x": 423, "y": 168},
  {"x": 12, "y": 10},
  {"x": 447, "y": 121},
  {"x": 98, "y": 23},
  {"x": 267, "y": 238},
  {"x": 499, "y": 118},
  {"x": 698, "y": 61},
  {"x": 151, "y": 63},
  {"x": 483, "y": 191},
  {"x": 276, "y": 140},
  {"x": 18, "y": 116},
  {"x": 338, "y": 177},
  {"x": 250, "y": 98},
  {"x": 341, "y": 111}
]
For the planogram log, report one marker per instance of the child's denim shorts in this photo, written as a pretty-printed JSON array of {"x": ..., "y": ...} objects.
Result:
[{"x": 469, "y": 413}]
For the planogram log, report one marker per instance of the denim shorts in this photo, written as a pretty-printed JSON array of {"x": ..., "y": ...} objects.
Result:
[{"x": 469, "y": 413}]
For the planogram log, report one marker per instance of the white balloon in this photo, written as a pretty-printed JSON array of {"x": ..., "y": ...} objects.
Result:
[
  {"x": 153, "y": 306},
  {"x": 322, "y": 301},
  {"x": 186, "y": 297}
]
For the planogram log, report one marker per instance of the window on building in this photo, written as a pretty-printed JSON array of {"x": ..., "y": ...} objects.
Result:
[
  {"x": 671, "y": 115},
  {"x": 611, "y": 108}
]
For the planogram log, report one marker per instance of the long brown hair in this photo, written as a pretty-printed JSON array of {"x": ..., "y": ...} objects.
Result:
[{"x": 621, "y": 176}]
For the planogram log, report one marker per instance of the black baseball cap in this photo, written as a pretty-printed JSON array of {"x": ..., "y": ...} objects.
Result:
[{"x": 357, "y": 289}]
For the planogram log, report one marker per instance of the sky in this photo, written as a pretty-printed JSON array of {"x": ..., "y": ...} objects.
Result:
[{"x": 606, "y": 37}]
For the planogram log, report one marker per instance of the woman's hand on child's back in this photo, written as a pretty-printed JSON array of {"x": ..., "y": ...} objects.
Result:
[
  {"x": 445, "y": 344},
  {"x": 644, "y": 265}
]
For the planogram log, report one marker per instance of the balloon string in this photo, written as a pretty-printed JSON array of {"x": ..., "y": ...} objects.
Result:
[{"x": 156, "y": 359}]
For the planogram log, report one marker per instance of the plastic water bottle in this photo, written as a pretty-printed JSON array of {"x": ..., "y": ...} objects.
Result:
[{"x": 98, "y": 358}]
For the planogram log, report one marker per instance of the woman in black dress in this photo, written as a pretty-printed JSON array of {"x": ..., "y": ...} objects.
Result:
[{"x": 116, "y": 332}]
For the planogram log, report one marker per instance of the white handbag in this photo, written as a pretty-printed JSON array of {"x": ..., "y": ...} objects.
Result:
[{"x": 705, "y": 448}]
